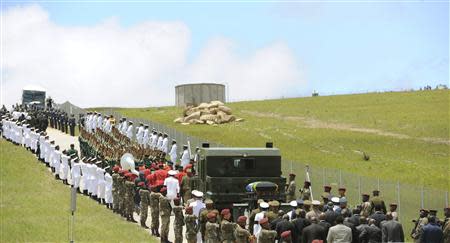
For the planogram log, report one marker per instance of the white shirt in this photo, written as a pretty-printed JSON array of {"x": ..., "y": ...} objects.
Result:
[
  {"x": 124, "y": 127},
  {"x": 173, "y": 153},
  {"x": 173, "y": 187},
  {"x": 154, "y": 141},
  {"x": 256, "y": 226},
  {"x": 197, "y": 206},
  {"x": 159, "y": 144},
  {"x": 165, "y": 145},
  {"x": 130, "y": 132},
  {"x": 185, "y": 158}
]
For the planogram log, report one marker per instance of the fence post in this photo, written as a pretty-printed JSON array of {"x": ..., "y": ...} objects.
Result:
[
  {"x": 446, "y": 198},
  {"x": 359, "y": 185},
  {"x": 421, "y": 198},
  {"x": 378, "y": 183},
  {"x": 398, "y": 199},
  {"x": 323, "y": 176},
  {"x": 340, "y": 177}
]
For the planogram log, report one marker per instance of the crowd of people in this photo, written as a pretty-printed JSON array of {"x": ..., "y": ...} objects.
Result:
[{"x": 161, "y": 185}]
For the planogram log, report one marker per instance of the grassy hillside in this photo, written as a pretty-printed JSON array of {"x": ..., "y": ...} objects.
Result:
[
  {"x": 406, "y": 134},
  {"x": 35, "y": 207}
]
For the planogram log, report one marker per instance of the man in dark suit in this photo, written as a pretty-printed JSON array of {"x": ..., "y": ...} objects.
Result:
[
  {"x": 371, "y": 234},
  {"x": 391, "y": 230},
  {"x": 324, "y": 223},
  {"x": 314, "y": 231},
  {"x": 378, "y": 215},
  {"x": 432, "y": 233},
  {"x": 299, "y": 224},
  {"x": 284, "y": 225}
]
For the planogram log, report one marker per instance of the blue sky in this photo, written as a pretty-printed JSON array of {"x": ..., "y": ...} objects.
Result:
[{"x": 343, "y": 47}]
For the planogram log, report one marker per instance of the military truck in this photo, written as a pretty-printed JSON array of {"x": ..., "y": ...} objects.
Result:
[{"x": 237, "y": 177}]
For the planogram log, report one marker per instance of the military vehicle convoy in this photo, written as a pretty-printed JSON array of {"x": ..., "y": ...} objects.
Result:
[{"x": 238, "y": 177}]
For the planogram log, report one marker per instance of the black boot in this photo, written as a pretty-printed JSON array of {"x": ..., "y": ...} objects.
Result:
[
  {"x": 143, "y": 225},
  {"x": 57, "y": 177}
]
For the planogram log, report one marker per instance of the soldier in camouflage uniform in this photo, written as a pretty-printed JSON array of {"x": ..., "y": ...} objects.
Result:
[
  {"x": 115, "y": 189},
  {"x": 366, "y": 206},
  {"x": 266, "y": 235},
  {"x": 272, "y": 214},
  {"x": 191, "y": 226},
  {"x": 212, "y": 231},
  {"x": 227, "y": 227},
  {"x": 145, "y": 201},
  {"x": 164, "y": 211},
  {"x": 241, "y": 234},
  {"x": 203, "y": 216},
  {"x": 178, "y": 221},
  {"x": 420, "y": 223},
  {"x": 121, "y": 193},
  {"x": 154, "y": 205},
  {"x": 129, "y": 198},
  {"x": 291, "y": 188}
]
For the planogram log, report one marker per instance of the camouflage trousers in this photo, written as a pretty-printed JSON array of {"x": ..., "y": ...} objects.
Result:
[
  {"x": 144, "y": 213},
  {"x": 165, "y": 221},
  {"x": 178, "y": 232},
  {"x": 115, "y": 201},
  {"x": 191, "y": 238},
  {"x": 155, "y": 219},
  {"x": 129, "y": 207}
]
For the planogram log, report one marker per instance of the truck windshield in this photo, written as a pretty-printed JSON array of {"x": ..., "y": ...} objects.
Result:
[{"x": 259, "y": 166}]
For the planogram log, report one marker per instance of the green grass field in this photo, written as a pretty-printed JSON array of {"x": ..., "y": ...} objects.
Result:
[
  {"x": 406, "y": 134},
  {"x": 36, "y": 208}
]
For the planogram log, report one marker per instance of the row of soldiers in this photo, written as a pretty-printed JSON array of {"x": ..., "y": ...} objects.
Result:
[{"x": 59, "y": 119}]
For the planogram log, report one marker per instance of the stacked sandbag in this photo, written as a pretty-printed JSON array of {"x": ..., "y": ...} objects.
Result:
[{"x": 212, "y": 113}]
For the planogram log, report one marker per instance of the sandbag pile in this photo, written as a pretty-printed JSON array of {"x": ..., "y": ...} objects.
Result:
[{"x": 212, "y": 113}]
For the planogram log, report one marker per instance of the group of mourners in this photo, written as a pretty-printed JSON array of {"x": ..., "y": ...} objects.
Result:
[{"x": 160, "y": 186}]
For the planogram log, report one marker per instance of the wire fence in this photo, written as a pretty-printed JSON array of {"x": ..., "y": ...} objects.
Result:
[{"x": 409, "y": 198}]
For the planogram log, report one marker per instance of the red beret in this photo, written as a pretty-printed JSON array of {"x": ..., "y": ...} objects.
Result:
[
  {"x": 242, "y": 219},
  {"x": 211, "y": 215},
  {"x": 127, "y": 174},
  {"x": 342, "y": 189},
  {"x": 263, "y": 221},
  {"x": 225, "y": 211},
  {"x": 189, "y": 210},
  {"x": 116, "y": 168},
  {"x": 286, "y": 234},
  {"x": 133, "y": 176},
  {"x": 141, "y": 183},
  {"x": 122, "y": 172},
  {"x": 327, "y": 186}
]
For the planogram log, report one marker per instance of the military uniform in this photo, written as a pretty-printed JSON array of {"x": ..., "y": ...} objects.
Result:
[
  {"x": 212, "y": 233},
  {"x": 290, "y": 191},
  {"x": 203, "y": 219},
  {"x": 191, "y": 228},
  {"x": 145, "y": 201},
  {"x": 418, "y": 229},
  {"x": 178, "y": 223},
  {"x": 305, "y": 193},
  {"x": 154, "y": 205},
  {"x": 377, "y": 200},
  {"x": 121, "y": 195},
  {"x": 227, "y": 229},
  {"x": 241, "y": 235},
  {"x": 115, "y": 190},
  {"x": 267, "y": 236},
  {"x": 186, "y": 188},
  {"x": 129, "y": 200},
  {"x": 164, "y": 211}
]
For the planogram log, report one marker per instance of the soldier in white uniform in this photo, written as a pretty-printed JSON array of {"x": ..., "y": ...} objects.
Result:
[
  {"x": 108, "y": 190},
  {"x": 75, "y": 174},
  {"x": 56, "y": 162},
  {"x": 145, "y": 136},
  {"x": 172, "y": 184},
  {"x": 197, "y": 206},
  {"x": 130, "y": 130},
  {"x": 124, "y": 126},
  {"x": 140, "y": 134},
  {"x": 100, "y": 185},
  {"x": 64, "y": 170},
  {"x": 173, "y": 152},
  {"x": 160, "y": 142},
  {"x": 84, "y": 182},
  {"x": 185, "y": 156},
  {"x": 165, "y": 143},
  {"x": 154, "y": 139},
  {"x": 257, "y": 227}
]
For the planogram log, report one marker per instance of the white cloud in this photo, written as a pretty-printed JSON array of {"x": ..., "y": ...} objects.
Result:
[{"x": 109, "y": 65}]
